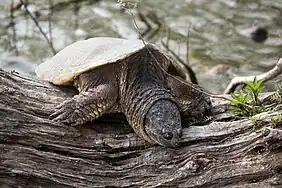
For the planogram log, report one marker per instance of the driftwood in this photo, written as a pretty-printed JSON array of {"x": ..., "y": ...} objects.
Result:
[
  {"x": 269, "y": 75},
  {"x": 37, "y": 152}
]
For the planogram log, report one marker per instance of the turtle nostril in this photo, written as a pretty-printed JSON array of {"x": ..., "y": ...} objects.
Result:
[{"x": 168, "y": 135}]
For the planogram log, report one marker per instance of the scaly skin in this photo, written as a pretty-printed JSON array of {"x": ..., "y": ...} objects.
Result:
[{"x": 150, "y": 98}]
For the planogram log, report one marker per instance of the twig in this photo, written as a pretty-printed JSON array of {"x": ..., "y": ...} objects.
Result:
[
  {"x": 140, "y": 35},
  {"x": 190, "y": 71},
  {"x": 40, "y": 29},
  {"x": 277, "y": 70},
  {"x": 187, "y": 45},
  {"x": 154, "y": 18},
  {"x": 168, "y": 37},
  {"x": 76, "y": 9},
  {"x": 50, "y": 21},
  {"x": 12, "y": 23},
  {"x": 184, "y": 67},
  {"x": 143, "y": 18},
  {"x": 58, "y": 6}
]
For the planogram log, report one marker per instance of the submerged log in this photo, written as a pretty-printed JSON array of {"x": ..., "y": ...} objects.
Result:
[{"x": 37, "y": 152}]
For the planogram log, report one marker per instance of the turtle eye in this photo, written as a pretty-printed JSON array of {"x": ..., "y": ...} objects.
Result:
[{"x": 167, "y": 135}]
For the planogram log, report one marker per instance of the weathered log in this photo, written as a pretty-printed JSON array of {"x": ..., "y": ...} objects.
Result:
[{"x": 37, "y": 152}]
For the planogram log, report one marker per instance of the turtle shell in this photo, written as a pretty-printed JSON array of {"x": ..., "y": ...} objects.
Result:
[{"x": 85, "y": 55}]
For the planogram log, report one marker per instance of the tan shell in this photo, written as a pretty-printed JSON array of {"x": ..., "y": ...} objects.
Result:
[{"x": 85, "y": 55}]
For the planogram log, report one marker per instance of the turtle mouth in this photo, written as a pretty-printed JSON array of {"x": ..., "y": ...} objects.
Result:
[{"x": 155, "y": 136}]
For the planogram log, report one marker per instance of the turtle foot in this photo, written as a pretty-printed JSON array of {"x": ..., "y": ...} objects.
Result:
[
  {"x": 68, "y": 112},
  {"x": 201, "y": 104}
]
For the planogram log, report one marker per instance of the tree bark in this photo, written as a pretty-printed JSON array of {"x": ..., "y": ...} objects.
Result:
[{"x": 37, "y": 152}]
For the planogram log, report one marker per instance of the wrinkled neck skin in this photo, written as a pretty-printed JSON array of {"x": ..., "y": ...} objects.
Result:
[{"x": 148, "y": 104}]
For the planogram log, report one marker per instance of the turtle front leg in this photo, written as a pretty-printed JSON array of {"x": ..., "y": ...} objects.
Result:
[
  {"x": 192, "y": 101},
  {"x": 86, "y": 106}
]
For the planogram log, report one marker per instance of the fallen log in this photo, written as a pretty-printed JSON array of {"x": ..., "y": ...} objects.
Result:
[{"x": 37, "y": 152}]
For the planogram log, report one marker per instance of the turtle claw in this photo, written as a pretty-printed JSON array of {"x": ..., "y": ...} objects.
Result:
[
  {"x": 74, "y": 124},
  {"x": 205, "y": 104},
  {"x": 57, "y": 115},
  {"x": 67, "y": 112},
  {"x": 202, "y": 105}
]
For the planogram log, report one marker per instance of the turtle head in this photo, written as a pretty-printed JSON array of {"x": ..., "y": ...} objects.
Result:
[{"x": 162, "y": 123}]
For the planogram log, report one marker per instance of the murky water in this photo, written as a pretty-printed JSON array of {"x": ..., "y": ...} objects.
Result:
[{"x": 220, "y": 46}]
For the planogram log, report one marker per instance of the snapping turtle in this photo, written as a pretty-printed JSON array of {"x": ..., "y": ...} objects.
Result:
[{"x": 119, "y": 75}]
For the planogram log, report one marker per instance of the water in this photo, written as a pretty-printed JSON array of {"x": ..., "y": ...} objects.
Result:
[{"x": 219, "y": 32}]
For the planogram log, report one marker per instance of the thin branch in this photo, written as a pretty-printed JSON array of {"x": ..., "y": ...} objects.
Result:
[
  {"x": 76, "y": 9},
  {"x": 50, "y": 22},
  {"x": 184, "y": 67},
  {"x": 143, "y": 18},
  {"x": 187, "y": 45},
  {"x": 168, "y": 36},
  {"x": 40, "y": 29},
  {"x": 277, "y": 70},
  {"x": 58, "y": 6},
  {"x": 12, "y": 23},
  {"x": 154, "y": 18},
  {"x": 190, "y": 71}
]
